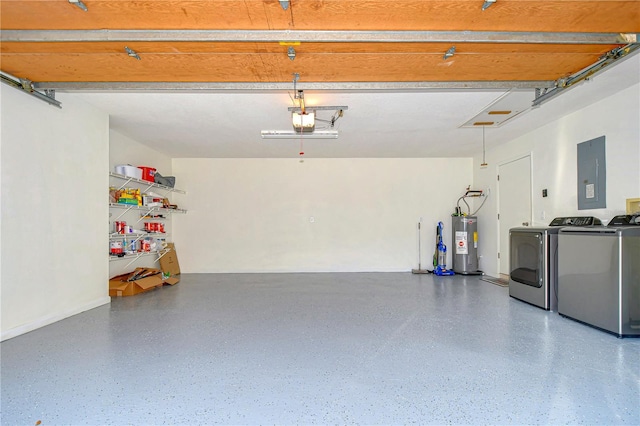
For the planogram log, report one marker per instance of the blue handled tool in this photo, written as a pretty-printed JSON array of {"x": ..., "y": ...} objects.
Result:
[{"x": 440, "y": 255}]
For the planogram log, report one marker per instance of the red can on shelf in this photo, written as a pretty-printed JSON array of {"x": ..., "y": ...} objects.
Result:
[
  {"x": 148, "y": 173},
  {"x": 120, "y": 227},
  {"x": 155, "y": 227},
  {"x": 116, "y": 247}
]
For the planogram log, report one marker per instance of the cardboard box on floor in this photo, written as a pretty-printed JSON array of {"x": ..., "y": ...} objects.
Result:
[
  {"x": 169, "y": 265},
  {"x": 145, "y": 279},
  {"x": 125, "y": 285}
]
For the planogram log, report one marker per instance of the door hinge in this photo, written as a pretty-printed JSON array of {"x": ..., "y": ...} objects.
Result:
[
  {"x": 498, "y": 178},
  {"x": 498, "y": 255},
  {"x": 498, "y": 216}
]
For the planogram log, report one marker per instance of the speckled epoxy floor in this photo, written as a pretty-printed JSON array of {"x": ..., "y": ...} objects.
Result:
[{"x": 352, "y": 348}]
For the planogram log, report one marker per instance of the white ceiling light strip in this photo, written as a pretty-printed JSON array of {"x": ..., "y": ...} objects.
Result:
[{"x": 290, "y": 134}]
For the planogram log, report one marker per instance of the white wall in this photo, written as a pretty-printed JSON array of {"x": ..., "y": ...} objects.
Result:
[
  {"x": 253, "y": 215},
  {"x": 124, "y": 150},
  {"x": 54, "y": 221},
  {"x": 1, "y": 204},
  {"x": 554, "y": 156}
]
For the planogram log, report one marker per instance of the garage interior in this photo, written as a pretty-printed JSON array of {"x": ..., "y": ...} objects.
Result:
[{"x": 296, "y": 302}]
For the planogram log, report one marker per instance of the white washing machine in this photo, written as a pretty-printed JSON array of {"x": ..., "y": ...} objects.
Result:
[{"x": 533, "y": 269}]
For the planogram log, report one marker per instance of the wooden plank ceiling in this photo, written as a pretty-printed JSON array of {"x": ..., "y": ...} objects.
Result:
[{"x": 48, "y": 57}]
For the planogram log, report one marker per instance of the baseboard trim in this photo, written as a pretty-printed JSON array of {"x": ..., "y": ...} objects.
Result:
[
  {"x": 50, "y": 319},
  {"x": 301, "y": 271}
]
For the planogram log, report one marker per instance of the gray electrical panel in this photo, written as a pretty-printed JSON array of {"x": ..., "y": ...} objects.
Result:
[{"x": 592, "y": 174}]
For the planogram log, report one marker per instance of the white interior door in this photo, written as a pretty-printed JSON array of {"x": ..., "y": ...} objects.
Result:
[{"x": 514, "y": 205}]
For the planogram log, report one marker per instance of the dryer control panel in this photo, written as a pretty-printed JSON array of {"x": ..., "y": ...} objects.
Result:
[
  {"x": 625, "y": 220},
  {"x": 576, "y": 221}
]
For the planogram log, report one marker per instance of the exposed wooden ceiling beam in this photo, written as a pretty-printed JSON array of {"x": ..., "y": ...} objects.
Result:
[
  {"x": 348, "y": 45},
  {"x": 433, "y": 15},
  {"x": 272, "y": 67}
]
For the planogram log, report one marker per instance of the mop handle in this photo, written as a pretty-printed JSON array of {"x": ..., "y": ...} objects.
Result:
[{"x": 419, "y": 253}]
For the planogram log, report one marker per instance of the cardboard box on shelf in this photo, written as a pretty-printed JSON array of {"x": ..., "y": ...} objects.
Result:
[
  {"x": 169, "y": 265},
  {"x": 136, "y": 282}
]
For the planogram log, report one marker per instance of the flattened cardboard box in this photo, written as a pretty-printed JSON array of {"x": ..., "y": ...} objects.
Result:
[
  {"x": 119, "y": 286},
  {"x": 170, "y": 266}
]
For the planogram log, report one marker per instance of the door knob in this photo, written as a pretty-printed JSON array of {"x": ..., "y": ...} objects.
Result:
[{"x": 525, "y": 223}]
